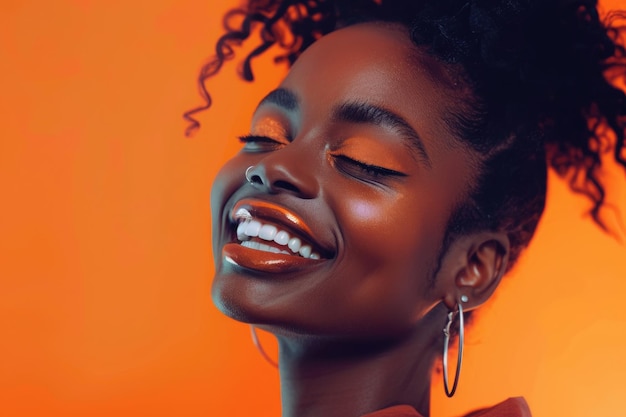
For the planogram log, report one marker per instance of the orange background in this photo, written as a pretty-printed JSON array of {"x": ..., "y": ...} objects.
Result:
[{"x": 105, "y": 261}]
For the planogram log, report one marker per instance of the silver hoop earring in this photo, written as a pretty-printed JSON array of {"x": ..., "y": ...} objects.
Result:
[
  {"x": 247, "y": 174},
  {"x": 259, "y": 347},
  {"x": 446, "y": 342}
]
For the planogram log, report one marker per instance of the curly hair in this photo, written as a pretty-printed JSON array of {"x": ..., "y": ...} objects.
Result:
[{"x": 543, "y": 76}]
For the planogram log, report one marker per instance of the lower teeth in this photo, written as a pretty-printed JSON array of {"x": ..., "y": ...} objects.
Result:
[{"x": 263, "y": 247}]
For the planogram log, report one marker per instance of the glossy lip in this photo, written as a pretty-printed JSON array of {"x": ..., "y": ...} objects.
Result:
[
  {"x": 282, "y": 218},
  {"x": 267, "y": 262}
]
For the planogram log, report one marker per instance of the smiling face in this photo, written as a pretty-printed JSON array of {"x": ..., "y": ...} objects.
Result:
[{"x": 352, "y": 163}]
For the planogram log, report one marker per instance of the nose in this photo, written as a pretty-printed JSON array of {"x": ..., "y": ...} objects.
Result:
[{"x": 293, "y": 174}]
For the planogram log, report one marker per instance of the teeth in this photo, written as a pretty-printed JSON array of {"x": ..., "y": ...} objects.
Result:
[
  {"x": 250, "y": 244},
  {"x": 305, "y": 251},
  {"x": 268, "y": 248},
  {"x": 268, "y": 232},
  {"x": 241, "y": 231},
  {"x": 253, "y": 228},
  {"x": 282, "y": 237},
  {"x": 263, "y": 247},
  {"x": 294, "y": 244}
]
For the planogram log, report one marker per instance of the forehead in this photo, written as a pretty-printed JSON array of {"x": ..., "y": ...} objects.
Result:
[{"x": 377, "y": 63}]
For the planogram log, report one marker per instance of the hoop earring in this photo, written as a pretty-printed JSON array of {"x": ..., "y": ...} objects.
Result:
[
  {"x": 247, "y": 174},
  {"x": 259, "y": 347},
  {"x": 446, "y": 342}
]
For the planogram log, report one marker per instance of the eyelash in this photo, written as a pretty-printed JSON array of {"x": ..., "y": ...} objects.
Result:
[
  {"x": 371, "y": 171},
  {"x": 344, "y": 163},
  {"x": 263, "y": 143}
]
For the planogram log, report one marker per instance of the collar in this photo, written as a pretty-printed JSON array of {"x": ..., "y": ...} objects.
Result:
[{"x": 513, "y": 407}]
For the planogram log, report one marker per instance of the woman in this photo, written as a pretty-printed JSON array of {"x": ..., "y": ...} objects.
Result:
[{"x": 395, "y": 176}]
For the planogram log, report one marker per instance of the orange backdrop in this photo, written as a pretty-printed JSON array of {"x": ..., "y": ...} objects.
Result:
[{"x": 105, "y": 261}]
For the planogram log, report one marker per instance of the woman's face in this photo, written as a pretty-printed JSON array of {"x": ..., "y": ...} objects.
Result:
[{"x": 351, "y": 161}]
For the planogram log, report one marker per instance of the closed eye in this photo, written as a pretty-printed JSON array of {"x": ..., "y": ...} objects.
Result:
[
  {"x": 256, "y": 143},
  {"x": 360, "y": 169}
]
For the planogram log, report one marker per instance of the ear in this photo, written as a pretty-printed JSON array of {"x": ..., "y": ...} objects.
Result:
[{"x": 476, "y": 265}]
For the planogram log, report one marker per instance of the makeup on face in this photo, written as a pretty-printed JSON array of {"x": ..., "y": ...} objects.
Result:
[
  {"x": 272, "y": 239},
  {"x": 330, "y": 219}
]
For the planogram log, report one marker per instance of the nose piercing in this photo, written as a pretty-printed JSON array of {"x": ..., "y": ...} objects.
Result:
[{"x": 248, "y": 177}]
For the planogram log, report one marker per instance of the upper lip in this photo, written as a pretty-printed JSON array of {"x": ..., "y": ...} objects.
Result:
[{"x": 279, "y": 216}]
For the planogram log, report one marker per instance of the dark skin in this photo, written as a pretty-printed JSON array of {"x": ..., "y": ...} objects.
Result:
[{"x": 353, "y": 157}]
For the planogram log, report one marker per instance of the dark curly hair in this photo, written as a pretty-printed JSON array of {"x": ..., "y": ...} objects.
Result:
[{"x": 543, "y": 77}]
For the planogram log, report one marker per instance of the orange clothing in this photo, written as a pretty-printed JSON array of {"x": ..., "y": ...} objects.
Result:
[{"x": 513, "y": 407}]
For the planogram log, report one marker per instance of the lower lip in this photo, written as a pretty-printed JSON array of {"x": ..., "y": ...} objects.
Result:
[{"x": 262, "y": 261}]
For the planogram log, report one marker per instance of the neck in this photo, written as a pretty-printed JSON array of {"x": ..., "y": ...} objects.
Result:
[{"x": 320, "y": 378}]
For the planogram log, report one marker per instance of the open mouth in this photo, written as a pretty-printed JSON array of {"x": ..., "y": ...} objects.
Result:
[
  {"x": 268, "y": 227},
  {"x": 268, "y": 238},
  {"x": 263, "y": 236}
]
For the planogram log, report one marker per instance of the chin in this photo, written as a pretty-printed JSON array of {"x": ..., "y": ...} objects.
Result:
[
  {"x": 236, "y": 296},
  {"x": 229, "y": 302}
]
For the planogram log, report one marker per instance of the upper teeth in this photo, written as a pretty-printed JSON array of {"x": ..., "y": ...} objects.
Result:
[{"x": 253, "y": 228}]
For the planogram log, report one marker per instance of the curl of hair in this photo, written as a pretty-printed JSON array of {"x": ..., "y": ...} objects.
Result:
[{"x": 539, "y": 71}]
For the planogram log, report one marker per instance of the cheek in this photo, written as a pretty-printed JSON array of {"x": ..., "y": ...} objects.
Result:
[
  {"x": 365, "y": 213},
  {"x": 384, "y": 268},
  {"x": 390, "y": 249},
  {"x": 389, "y": 232},
  {"x": 228, "y": 180},
  {"x": 364, "y": 210}
]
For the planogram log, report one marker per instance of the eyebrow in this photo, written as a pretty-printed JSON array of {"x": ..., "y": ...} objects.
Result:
[
  {"x": 283, "y": 98},
  {"x": 359, "y": 112},
  {"x": 355, "y": 112}
]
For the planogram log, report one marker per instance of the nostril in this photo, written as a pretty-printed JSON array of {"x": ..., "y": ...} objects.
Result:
[{"x": 255, "y": 179}]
